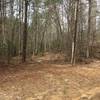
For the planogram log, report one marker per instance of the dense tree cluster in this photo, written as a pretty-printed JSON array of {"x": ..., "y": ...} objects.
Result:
[{"x": 32, "y": 27}]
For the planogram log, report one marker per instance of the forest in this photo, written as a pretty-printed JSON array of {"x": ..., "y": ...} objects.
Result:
[{"x": 49, "y": 50}]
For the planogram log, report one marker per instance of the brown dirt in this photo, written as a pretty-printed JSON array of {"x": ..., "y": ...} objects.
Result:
[{"x": 45, "y": 81}]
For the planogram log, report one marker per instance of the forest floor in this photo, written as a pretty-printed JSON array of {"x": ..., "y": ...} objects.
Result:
[{"x": 42, "y": 80}]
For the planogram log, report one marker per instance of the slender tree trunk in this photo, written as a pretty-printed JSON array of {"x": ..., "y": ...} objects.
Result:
[
  {"x": 25, "y": 33},
  {"x": 93, "y": 25},
  {"x": 75, "y": 34},
  {"x": 89, "y": 30}
]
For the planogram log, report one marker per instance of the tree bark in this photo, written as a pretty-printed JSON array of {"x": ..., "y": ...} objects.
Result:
[
  {"x": 75, "y": 34},
  {"x": 25, "y": 33}
]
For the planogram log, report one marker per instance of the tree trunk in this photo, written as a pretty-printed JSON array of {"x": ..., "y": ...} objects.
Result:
[
  {"x": 25, "y": 33},
  {"x": 89, "y": 30},
  {"x": 75, "y": 34}
]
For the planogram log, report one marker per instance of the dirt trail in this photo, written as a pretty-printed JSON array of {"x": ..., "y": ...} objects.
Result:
[{"x": 43, "y": 81}]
